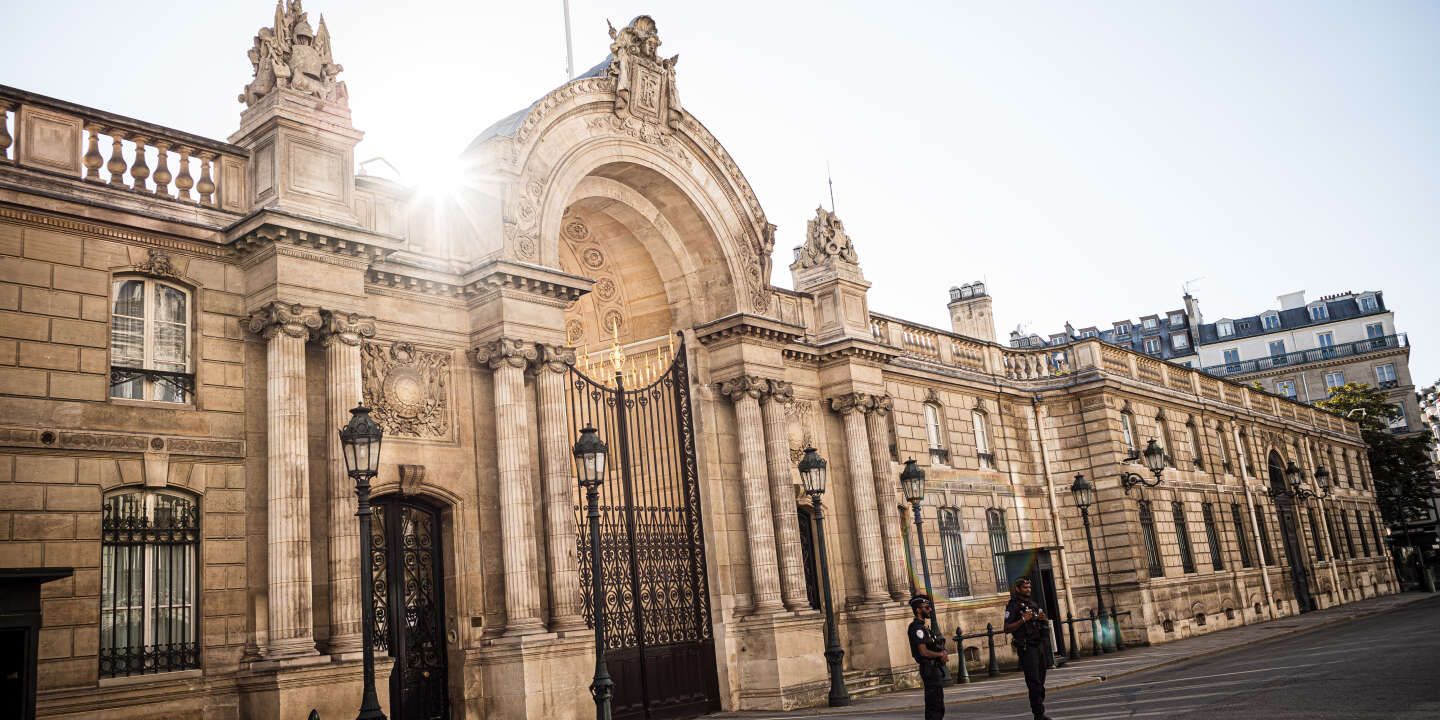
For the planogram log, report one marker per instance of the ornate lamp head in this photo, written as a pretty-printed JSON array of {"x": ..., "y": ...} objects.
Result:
[
  {"x": 912, "y": 482},
  {"x": 812, "y": 472},
  {"x": 360, "y": 442},
  {"x": 1083, "y": 492},
  {"x": 589, "y": 455}
]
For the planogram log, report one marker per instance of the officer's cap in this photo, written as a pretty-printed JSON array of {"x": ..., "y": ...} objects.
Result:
[{"x": 918, "y": 600}]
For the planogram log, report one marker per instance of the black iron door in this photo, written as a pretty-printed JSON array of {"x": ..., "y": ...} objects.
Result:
[
  {"x": 659, "y": 645},
  {"x": 806, "y": 519},
  {"x": 1289, "y": 536},
  {"x": 409, "y": 607}
]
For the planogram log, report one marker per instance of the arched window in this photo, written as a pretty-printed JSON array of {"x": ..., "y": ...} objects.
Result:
[
  {"x": 999, "y": 543},
  {"x": 982, "y": 440},
  {"x": 149, "y": 578},
  {"x": 1152, "y": 542},
  {"x": 1127, "y": 432},
  {"x": 1182, "y": 535},
  {"x": 952, "y": 546},
  {"x": 1224, "y": 444},
  {"x": 1197, "y": 446},
  {"x": 150, "y": 341},
  {"x": 935, "y": 434}
]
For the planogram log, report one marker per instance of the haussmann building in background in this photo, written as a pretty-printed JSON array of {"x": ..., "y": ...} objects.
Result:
[{"x": 187, "y": 321}]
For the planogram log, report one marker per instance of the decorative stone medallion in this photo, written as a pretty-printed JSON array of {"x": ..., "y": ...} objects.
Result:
[
  {"x": 407, "y": 389},
  {"x": 593, "y": 258}
]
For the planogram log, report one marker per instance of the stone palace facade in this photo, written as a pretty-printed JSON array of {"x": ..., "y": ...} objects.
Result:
[{"x": 185, "y": 322}]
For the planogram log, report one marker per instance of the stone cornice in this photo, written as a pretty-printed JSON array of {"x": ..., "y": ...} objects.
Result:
[
  {"x": 849, "y": 349},
  {"x": 508, "y": 277},
  {"x": 90, "y": 441},
  {"x": 126, "y": 234},
  {"x": 751, "y": 326},
  {"x": 271, "y": 228}
]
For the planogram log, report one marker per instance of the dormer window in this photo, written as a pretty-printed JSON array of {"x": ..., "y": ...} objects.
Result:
[
  {"x": 1179, "y": 341},
  {"x": 1225, "y": 328},
  {"x": 1151, "y": 323},
  {"x": 1177, "y": 319},
  {"x": 1122, "y": 329},
  {"x": 1319, "y": 312},
  {"x": 1368, "y": 303},
  {"x": 1270, "y": 321}
]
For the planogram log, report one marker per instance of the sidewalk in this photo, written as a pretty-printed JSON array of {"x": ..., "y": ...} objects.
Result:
[{"x": 1089, "y": 669}]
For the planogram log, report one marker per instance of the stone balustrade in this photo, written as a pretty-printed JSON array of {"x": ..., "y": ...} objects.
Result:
[{"x": 102, "y": 148}]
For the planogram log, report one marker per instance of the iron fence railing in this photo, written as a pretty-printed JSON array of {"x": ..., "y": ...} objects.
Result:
[{"x": 1300, "y": 357}]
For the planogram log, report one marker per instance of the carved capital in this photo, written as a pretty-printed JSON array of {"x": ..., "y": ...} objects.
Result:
[
  {"x": 883, "y": 405},
  {"x": 556, "y": 358},
  {"x": 782, "y": 392},
  {"x": 852, "y": 402},
  {"x": 743, "y": 386},
  {"x": 341, "y": 327},
  {"x": 293, "y": 319},
  {"x": 505, "y": 351}
]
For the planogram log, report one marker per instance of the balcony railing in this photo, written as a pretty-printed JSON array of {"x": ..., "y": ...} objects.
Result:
[{"x": 1300, "y": 357}]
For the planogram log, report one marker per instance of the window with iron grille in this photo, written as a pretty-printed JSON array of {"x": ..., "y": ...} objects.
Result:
[
  {"x": 1152, "y": 543},
  {"x": 952, "y": 546},
  {"x": 1379, "y": 539},
  {"x": 1212, "y": 536},
  {"x": 1266, "y": 551},
  {"x": 999, "y": 543},
  {"x": 1182, "y": 534},
  {"x": 1360, "y": 530},
  {"x": 1224, "y": 448},
  {"x": 149, "y": 581},
  {"x": 1242, "y": 535},
  {"x": 1317, "y": 540},
  {"x": 150, "y": 341},
  {"x": 1334, "y": 536},
  {"x": 1349, "y": 538}
]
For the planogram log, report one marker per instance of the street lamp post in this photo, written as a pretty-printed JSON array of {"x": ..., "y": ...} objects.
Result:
[
  {"x": 1154, "y": 456},
  {"x": 912, "y": 483},
  {"x": 1084, "y": 494},
  {"x": 360, "y": 442},
  {"x": 812, "y": 476},
  {"x": 590, "y": 472}
]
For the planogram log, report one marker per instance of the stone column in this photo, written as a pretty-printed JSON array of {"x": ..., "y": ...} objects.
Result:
[
  {"x": 507, "y": 359},
  {"x": 782, "y": 496},
  {"x": 877, "y": 425},
  {"x": 285, "y": 327},
  {"x": 556, "y": 466},
  {"x": 852, "y": 408},
  {"x": 341, "y": 334},
  {"x": 745, "y": 392}
]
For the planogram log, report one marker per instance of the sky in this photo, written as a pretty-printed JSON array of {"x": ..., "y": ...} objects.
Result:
[{"x": 1085, "y": 159}]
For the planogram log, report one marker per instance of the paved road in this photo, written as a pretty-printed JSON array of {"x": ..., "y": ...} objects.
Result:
[{"x": 1383, "y": 666}]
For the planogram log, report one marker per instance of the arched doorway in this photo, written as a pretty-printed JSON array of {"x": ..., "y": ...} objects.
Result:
[
  {"x": 1289, "y": 534},
  {"x": 407, "y": 575}
]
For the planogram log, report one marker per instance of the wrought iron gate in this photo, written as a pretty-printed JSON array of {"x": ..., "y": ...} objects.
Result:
[
  {"x": 409, "y": 609},
  {"x": 659, "y": 645}
]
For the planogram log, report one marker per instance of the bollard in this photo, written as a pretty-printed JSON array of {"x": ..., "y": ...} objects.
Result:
[
  {"x": 1047, "y": 645},
  {"x": 1119, "y": 636},
  {"x": 1074, "y": 646},
  {"x": 964, "y": 675},
  {"x": 1096, "y": 644},
  {"x": 994, "y": 669}
]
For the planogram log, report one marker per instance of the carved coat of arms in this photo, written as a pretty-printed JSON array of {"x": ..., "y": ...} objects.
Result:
[{"x": 407, "y": 389}]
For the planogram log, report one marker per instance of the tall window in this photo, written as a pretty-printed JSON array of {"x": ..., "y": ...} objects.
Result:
[
  {"x": 1212, "y": 536},
  {"x": 1334, "y": 536},
  {"x": 1315, "y": 536},
  {"x": 935, "y": 434},
  {"x": 1286, "y": 388},
  {"x": 1232, "y": 360},
  {"x": 1277, "y": 348},
  {"x": 1242, "y": 535},
  {"x": 1326, "y": 342},
  {"x": 1334, "y": 379},
  {"x": 1375, "y": 530},
  {"x": 982, "y": 440},
  {"x": 1167, "y": 439},
  {"x": 1182, "y": 535},
  {"x": 149, "y": 341},
  {"x": 999, "y": 543},
  {"x": 1245, "y": 454},
  {"x": 1224, "y": 444},
  {"x": 1375, "y": 331},
  {"x": 1349, "y": 539},
  {"x": 1385, "y": 375},
  {"x": 1127, "y": 432},
  {"x": 952, "y": 547},
  {"x": 1266, "y": 551},
  {"x": 1349, "y": 471},
  {"x": 1360, "y": 530},
  {"x": 148, "y": 583},
  {"x": 1152, "y": 543},
  {"x": 1271, "y": 321},
  {"x": 1197, "y": 447}
]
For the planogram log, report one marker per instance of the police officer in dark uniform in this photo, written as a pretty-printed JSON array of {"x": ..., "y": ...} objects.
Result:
[
  {"x": 929, "y": 651},
  {"x": 1025, "y": 622}
]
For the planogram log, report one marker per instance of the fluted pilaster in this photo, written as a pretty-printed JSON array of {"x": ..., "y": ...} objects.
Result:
[
  {"x": 341, "y": 334},
  {"x": 555, "y": 461},
  {"x": 877, "y": 425},
  {"x": 745, "y": 392},
  {"x": 782, "y": 495},
  {"x": 507, "y": 359},
  {"x": 290, "y": 602},
  {"x": 852, "y": 409}
]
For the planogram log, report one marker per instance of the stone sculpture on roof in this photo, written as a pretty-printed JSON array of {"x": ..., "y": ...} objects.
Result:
[
  {"x": 644, "y": 81},
  {"x": 825, "y": 238},
  {"x": 293, "y": 55}
]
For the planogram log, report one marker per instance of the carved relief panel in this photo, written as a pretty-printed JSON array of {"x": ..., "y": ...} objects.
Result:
[{"x": 408, "y": 390}]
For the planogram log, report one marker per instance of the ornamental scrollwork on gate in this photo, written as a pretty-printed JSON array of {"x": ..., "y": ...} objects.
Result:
[{"x": 407, "y": 389}]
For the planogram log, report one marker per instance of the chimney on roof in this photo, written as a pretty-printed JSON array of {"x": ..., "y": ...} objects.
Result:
[
  {"x": 970, "y": 313},
  {"x": 1290, "y": 301}
]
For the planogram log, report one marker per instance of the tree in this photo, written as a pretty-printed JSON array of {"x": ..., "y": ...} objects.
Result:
[{"x": 1400, "y": 466}]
